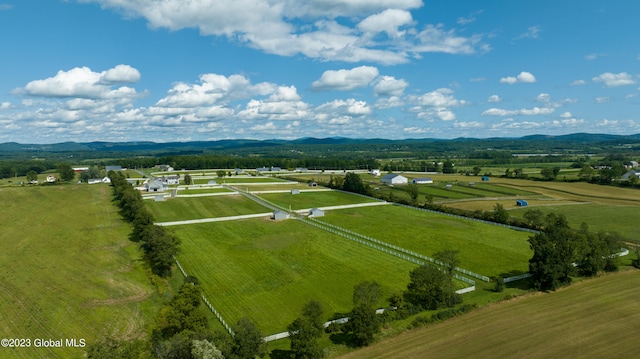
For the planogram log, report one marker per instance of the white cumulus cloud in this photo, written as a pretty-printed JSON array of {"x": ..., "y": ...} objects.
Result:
[
  {"x": 614, "y": 80},
  {"x": 389, "y": 86},
  {"x": 494, "y": 98},
  {"x": 82, "y": 82},
  {"x": 345, "y": 79},
  {"x": 523, "y": 77}
]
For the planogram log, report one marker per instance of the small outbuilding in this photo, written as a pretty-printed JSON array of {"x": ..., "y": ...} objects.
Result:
[
  {"x": 485, "y": 178},
  {"x": 313, "y": 184},
  {"x": 393, "y": 178},
  {"x": 280, "y": 215},
  {"x": 521, "y": 203},
  {"x": 316, "y": 212},
  {"x": 295, "y": 191}
]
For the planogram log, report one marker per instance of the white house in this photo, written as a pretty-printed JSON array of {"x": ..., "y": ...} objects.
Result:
[
  {"x": 393, "y": 178},
  {"x": 173, "y": 179},
  {"x": 99, "y": 180},
  {"x": 155, "y": 185},
  {"x": 375, "y": 173},
  {"x": 424, "y": 180},
  {"x": 280, "y": 215},
  {"x": 51, "y": 179}
]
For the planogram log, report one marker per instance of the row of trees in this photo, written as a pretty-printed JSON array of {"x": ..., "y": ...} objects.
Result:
[
  {"x": 158, "y": 244},
  {"x": 560, "y": 252}
]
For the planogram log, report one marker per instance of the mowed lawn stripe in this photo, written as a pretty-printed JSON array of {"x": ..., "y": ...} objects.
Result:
[
  {"x": 483, "y": 248},
  {"x": 267, "y": 270},
  {"x": 597, "y": 318},
  {"x": 185, "y": 208}
]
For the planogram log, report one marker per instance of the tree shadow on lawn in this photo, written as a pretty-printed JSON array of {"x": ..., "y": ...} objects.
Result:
[{"x": 280, "y": 354}]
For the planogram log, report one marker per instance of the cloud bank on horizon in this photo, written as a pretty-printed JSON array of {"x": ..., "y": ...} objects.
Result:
[{"x": 169, "y": 70}]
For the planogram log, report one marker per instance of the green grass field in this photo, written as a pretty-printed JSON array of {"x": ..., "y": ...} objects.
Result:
[
  {"x": 315, "y": 199},
  {"x": 184, "y": 208},
  {"x": 69, "y": 270},
  {"x": 203, "y": 190},
  {"x": 268, "y": 270},
  {"x": 597, "y": 318},
  {"x": 621, "y": 219},
  {"x": 485, "y": 249}
]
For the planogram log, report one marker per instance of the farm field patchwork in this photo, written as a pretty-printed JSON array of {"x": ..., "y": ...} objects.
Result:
[
  {"x": 483, "y": 248},
  {"x": 315, "y": 199},
  {"x": 268, "y": 270},
  {"x": 594, "y": 318},
  {"x": 185, "y": 208},
  {"x": 69, "y": 270}
]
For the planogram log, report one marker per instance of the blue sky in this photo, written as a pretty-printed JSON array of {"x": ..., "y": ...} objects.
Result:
[{"x": 176, "y": 70}]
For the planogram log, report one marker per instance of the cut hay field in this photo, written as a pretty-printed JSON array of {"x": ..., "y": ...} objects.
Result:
[
  {"x": 268, "y": 270},
  {"x": 68, "y": 270},
  {"x": 596, "y": 318},
  {"x": 485, "y": 249},
  {"x": 185, "y": 208},
  {"x": 315, "y": 199}
]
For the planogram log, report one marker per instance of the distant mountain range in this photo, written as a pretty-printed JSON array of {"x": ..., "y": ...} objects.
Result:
[{"x": 138, "y": 146}]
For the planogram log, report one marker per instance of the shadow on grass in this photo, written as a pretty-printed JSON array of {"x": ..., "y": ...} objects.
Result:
[
  {"x": 280, "y": 354},
  {"x": 342, "y": 339}
]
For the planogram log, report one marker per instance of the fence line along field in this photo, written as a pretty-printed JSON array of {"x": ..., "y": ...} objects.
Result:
[
  {"x": 68, "y": 270},
  {"x": 595, "y": 318},
  {"x": 268, "y": 270},
  {"x": 315, "y": 199},
  {"x": 483, "y": 248}
]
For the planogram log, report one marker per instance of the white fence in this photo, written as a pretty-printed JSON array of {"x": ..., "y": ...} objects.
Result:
[
  {"x": 206, "y": 302},
  {"x": 391, "y": 249}
]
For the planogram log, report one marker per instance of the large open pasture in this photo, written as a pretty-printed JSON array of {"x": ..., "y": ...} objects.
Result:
[
  {"x": 268, "y": 270},
  {"x": 483, "y": 248},
  {"x": 69, "y": 270},
  {"x": 315, "y": 199},
  {"x": 596, "y": 318},
  {"x": 185, "y": 208}
]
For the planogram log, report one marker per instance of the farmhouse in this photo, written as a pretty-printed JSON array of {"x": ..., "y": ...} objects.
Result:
[
  {"x": 316, "y": 212},
  {"x": 630, "y": 174},
  {"x": 392, "y": 178},
  {"x": 375, "y": 173},
  {"x": 173, "y": 179},
  {"x": 424, "y": 180},
  {"x": 521, "y": 203},
  {"x": 51, "y": 179}
]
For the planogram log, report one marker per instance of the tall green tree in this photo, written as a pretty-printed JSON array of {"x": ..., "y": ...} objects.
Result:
[
  {"x": 184, "y": 312},
  {"x": 32, "y": 176},
  {"x": 554, "y": 252},
  {"x": 363, "y": 322},
  {"x": 65, "y": 172},
  {"x": 500, "y": 214},
  {"x": 449, "y": 260},
  {"x": 304, "y": 339},
  {"x": 247, "y": 342},
  {"x": 430, "y": 288}
]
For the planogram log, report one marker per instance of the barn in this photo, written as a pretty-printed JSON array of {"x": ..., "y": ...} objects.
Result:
[
  {"x": 392, "y": 178},
  {"x": 424, "y": 180},
  {"x": 521, "y": 203}
]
